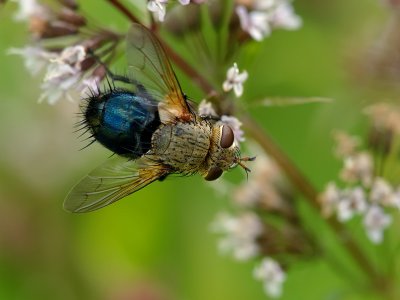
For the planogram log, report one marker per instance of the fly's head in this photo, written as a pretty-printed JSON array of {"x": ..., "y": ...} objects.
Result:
[{"x": 224, "y": 152}]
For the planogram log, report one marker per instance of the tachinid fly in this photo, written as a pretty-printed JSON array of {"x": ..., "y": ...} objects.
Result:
[{"x": 152, "y": 128}]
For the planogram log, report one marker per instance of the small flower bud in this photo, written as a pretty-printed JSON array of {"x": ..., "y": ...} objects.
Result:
[
  {"x": 69, "y": 16},
  {"x": 99, "y": 72},
  {"x": 44, "y": 29},
  {"x": 87, "y": 63},
  {"x": 385, "y": 119}
]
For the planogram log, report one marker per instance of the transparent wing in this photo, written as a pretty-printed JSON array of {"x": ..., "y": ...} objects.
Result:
[
  {"x": 112, "y": 181},
  {"x": 151, "y": 68}
]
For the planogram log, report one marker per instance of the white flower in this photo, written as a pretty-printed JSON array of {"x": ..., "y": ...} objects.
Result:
[
  {"x": 206, "y": 109},
  {"x": 72, "y": 56},
  {"x": 58, "y": 72},
  {"x": 375, "y": 221},
  {"x": 345, "y": 144},
  {"x": 384, "y": 194},
  {"x": 265, "y": 187},
  {"x": 234, "y": 80},
  {"x": 358, "y": 167},
  {"x": 263, "y": 4},
  {"x": 283, "y": 16},
  {"x": 36, "y": 58},
  {"x": 240, "y": 234},
  {"x": 329, "y": 199},
  {"x": 235, "y": 125},
  {"x": 158, "y": 7},
  {"x": 27, "y": 9},
  {"x": 184, "y": 2},
  {"x": 59, "y": 87},
  {"x": 249, "y": 194},
  {"x": 384, "y": 117},
  {"x": 351, "y": 202},
  {"x": 381, "y": 192},
  {"x": 395, "y": 199},
  {"x": 272, "y": 276},
  {"x": 63, "y": 74},
  {"x": 266, "y": 15},
  {"x": 254, "y": 22}
]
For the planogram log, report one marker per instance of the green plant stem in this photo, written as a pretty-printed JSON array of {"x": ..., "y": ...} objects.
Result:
[{"x": 294, "y": 174}]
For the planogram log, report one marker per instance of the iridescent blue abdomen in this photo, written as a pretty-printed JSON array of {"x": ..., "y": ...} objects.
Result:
[{"x": 123, "y": 122}]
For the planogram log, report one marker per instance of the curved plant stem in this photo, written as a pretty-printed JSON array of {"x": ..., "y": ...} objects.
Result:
[
  {"x": 121, "y": 7},
  {"x": 294, "y": 174}
]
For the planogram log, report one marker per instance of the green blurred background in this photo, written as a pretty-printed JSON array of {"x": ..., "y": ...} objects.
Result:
[{"x": 157, "y": 243}]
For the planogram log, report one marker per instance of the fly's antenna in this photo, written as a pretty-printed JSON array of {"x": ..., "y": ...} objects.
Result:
[{"x": 240, "y": 163}]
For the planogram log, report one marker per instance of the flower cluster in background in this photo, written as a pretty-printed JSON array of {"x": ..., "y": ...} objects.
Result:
[
  {"x": 259, "y": 17},
  {"x": 264, "y": 226},
  {"x": 68, "y": 32},
  {"x": 66, "y": 47},
  {"x": 370, "y": 176},
  {"x": 159, "y": 7}
]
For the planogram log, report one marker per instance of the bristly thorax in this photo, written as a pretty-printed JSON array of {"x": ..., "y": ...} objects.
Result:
[{"x": 183, "y": 146}]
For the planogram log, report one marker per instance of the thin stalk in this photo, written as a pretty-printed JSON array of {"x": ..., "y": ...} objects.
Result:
[{"x": 125, "y": 11}]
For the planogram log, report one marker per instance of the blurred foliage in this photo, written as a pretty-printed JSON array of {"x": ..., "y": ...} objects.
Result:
[{"x": 156, "y": 243}]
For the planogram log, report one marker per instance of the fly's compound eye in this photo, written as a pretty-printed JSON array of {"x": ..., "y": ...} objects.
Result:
[
  {"x": 213, "y": 173},
  {"x": 227, "y": 137}
]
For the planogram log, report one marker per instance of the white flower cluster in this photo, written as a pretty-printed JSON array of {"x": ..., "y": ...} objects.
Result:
[
  {"x": 240, "y": 234},
  {"x": 272, "y": 276},
  {"x": 28, "y": 9},
  {"x": 159, "y": 7},
  {"x": 245, "y": 234},
  {"x": 364, "y": 195},
  {"x": 261, "y": 189},
  {"x": 65, "y": 66},
  {"x": 384, "y": 117},
  {"x": 240, "y": 238},
  {"x": 63, "y": 71},
  {"x": 63, "y": 74},
  {"x": 262, "y": 16}
]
